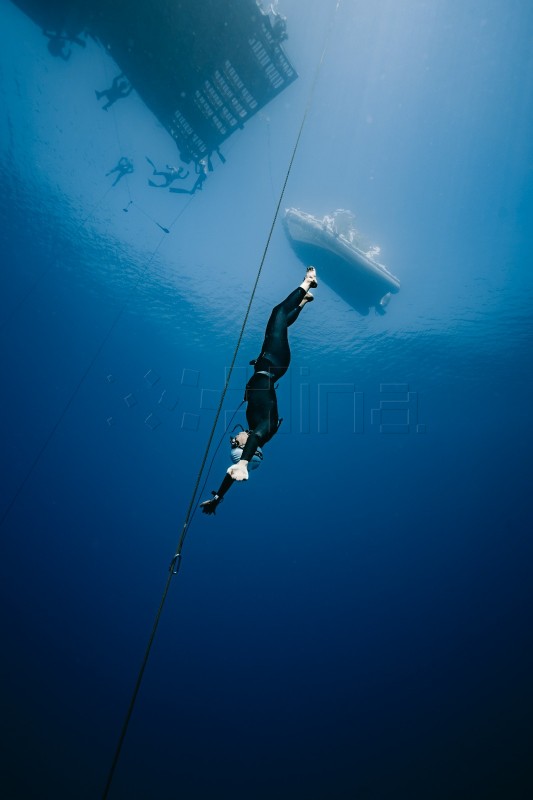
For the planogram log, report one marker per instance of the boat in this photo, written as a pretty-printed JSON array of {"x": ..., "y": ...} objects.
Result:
[{"x": 346, "y": 261}]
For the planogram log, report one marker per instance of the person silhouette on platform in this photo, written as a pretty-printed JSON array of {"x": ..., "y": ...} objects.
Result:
[
  {"x": 124, "y": 167},
  {"x": 201, "y": 170},
  {"x": 169, "y": 177},
  {"x": 121, "y": 87},
  {"x": 58, "y": 43}
]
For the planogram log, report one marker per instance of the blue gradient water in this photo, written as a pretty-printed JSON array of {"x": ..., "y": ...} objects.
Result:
[{"x": 354, "y": 622}]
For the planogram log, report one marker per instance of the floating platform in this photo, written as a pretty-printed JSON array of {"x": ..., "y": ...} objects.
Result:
[{"x": 203, "y": 67}]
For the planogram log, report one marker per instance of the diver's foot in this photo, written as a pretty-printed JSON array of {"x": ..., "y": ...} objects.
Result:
[
  {"x": 308, "y": 298},
  {"x": 310, "y": 277}
]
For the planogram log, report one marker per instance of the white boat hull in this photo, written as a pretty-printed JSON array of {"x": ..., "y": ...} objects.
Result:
[{"x": 307, "y": 230}]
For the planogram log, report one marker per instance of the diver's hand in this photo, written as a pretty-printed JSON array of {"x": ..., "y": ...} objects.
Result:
[
  {"x": 239, "y": 472},
  {"x": 210, "y": 506}
]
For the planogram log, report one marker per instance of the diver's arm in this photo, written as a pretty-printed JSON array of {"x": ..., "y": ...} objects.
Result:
[
  {"x": 239, "y": 471},
  {"x": 254, "y": 441},
  {"x": 210, "y": 506}
]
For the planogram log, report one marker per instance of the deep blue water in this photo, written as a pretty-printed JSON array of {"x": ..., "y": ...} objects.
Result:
[{"x": 356, "y": 621}]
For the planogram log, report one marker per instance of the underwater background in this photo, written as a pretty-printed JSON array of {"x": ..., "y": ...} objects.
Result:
[{"x": 355, "y": 622}]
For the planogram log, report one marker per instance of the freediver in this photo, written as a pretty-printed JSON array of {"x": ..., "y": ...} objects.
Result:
[
  {"x": 260, "y": 394},
  {"x": 124, "y": 167},
  {"x": 121, "y": 87},
  {"x": 201, "y": 170},
  {"x": 169, "y": 177},
  {"x": 58, "y": 41},
  {"x": 279, "y": 28}
]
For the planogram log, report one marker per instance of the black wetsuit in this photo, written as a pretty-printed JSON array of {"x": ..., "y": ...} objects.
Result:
[{"x": 272, "y": 364}]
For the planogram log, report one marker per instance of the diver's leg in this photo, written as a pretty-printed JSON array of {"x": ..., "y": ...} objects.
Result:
[
  {"x": 290, "y": 308},
  {"x": 276, "y": 329},
  {"x": 310, "y": 281},
  {"x": 276, "y": 342},
  {"x": 293, "y": 315}
]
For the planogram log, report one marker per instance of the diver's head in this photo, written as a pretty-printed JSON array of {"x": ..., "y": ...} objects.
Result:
[
  {"x": 240, "y": 439},
  {"x": 237, "y": 446}
]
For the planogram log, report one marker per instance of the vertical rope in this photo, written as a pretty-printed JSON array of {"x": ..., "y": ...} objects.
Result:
[{"x": 176, "y": 560}]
